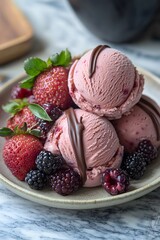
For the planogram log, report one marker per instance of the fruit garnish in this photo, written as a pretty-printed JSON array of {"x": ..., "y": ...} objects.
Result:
[
  {"x": 49, "y": 163},
  {"x": 115, "y": 181},
  {"x": 7, "y": 132},
  {"x": 20, "y": 152},
  {"x": 34, "y": 66},
  {"x": 54, "y": 113},
  {"x": 19, "y": 93},
  {"x": 146, "y": 148},
  {"x": 15, "y": 106},
  {"x": 36, "y": 179},
  {"x": 65, "y": 181},
  {"x": 134, "y": 164}
]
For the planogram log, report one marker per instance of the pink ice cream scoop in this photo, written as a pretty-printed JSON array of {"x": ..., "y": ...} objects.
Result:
[
  {"x": 143, "y": 122},
  {"x": 87, "y": 142},
  {"x": 105, "y": 82}
]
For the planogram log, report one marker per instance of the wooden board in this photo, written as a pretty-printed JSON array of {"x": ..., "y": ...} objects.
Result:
[{"x": 15, "y": 32}]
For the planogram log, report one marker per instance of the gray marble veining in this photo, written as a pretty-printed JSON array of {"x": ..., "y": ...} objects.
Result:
[{"x": 56, "y": 28}]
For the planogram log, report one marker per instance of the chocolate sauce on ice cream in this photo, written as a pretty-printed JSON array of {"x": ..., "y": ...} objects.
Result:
[
  {"x": 75, "y": 130},
  {"x": 153, "y": 111},
  {"x": 94, "y": 57}
]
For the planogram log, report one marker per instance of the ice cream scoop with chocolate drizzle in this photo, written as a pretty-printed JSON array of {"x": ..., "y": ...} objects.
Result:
[
  {"x": 105, "y": 82},
  {"x": 87, "y": 142},
  {"x": 143, "y": 122}
]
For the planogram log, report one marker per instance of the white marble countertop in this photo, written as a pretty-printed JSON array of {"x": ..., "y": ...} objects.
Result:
[{"x": 55, "y": 28}]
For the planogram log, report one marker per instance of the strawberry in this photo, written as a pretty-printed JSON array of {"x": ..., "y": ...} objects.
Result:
[
  {"x": 19, "y": 154},
  {"x": 48, "y": 79},
  {"x": 21, "y": 117},
  {"x": 51, "y": 87},
  {"x": 18, "y": 92}
]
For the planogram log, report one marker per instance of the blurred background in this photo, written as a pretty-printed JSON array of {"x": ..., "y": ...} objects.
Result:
[{"x": 48, "y": 26}]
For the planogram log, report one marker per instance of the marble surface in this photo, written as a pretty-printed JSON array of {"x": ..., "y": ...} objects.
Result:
[{"x": 56, "y": 27}]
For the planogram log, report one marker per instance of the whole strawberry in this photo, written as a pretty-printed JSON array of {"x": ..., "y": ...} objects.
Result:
[
  {"x": 19, "y": 154},
  {"x": 22, "y": 112},
  {"x": 21, "y": 117},
  {"x": 51, "y": 87},
  {"x": 49, "y": 80}
]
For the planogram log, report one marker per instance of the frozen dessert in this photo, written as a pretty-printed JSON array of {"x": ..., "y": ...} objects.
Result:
[
  {"x": 77, "y": 144},
  {"x": 87, "y": 142},
  {"x": 143, "y": 122},
  {"x": 105, "y": 82}
]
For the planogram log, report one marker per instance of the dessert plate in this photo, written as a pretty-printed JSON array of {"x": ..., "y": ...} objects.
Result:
[{"x": 85, "y": 198}]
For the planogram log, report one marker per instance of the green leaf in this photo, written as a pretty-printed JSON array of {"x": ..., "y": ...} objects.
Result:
[
  {"x": 34, "y": 66},
  {"x": 35, "y": 132},
  {"x": 11, "y": 107},
  {"x": 27, "y": 83},
  {"x": 4, "y": 132},
  {"x": 15, "y": 106},
  {"x": 39, "y": 112},
  {"x": 62, "y": 59}
]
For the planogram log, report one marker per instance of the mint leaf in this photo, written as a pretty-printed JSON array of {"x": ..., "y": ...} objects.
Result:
[
  {"x": 4, "y": 132},
  {"x": 34, "y": 66},
  {"x": 62, "y": 59},
  {"x": 39, "y": 112},
  {"x": 15, "y": 106},
  {"x": 35, "y": 132},
  {"x": 27, "y": 83}
]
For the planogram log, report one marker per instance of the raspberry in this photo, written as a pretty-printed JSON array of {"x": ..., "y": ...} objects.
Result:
[
  {"x": 146, "y": 148},
  {"x": 48, "y": 163},
  {"x": 115, "y": 181},
  {"x": 18, "y": 92},
  {"x": 36, "y": 179},
  {"x": 134, "y": 164},
  {"x": 65, "y": 181}
]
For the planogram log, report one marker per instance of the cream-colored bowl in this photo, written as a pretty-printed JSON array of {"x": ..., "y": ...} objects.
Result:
[{"x": 87, "y": 197}]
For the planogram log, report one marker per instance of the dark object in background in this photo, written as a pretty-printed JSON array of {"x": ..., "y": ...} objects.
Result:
[{"x": 117, "y": 20}]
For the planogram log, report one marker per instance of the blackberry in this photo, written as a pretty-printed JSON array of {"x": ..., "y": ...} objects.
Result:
[
  {"x": 115, "y": 181},
  {"x": 146, "y": 148},
  {"x": 53, "y": 112},
  {"x": 48, "y": 163},
  {"x": 36, "y": 179},
  {"x": 65, "y": 181},
  {"x": 134, "y": 164},
  {"x": 44, "y": 127}
]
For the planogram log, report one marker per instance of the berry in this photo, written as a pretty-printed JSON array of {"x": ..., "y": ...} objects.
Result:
[
  {"x": 146, "y": 148},
  {"x": 36, "y": 179},
  {"x": 53, "y": 112},
  {"x": 44, "y": 127},
  {"x": 65, "y": 181},
  {"x": 115, "y": 181},
  {"x": 25, "y": 115},
  {"x": 134, "y": 164},
  {"x": 51, "y": 87},
  {"x": 19, "y": 154},
  {"x": 48, "y": 163},
  {"x": 20, "y": 93}
]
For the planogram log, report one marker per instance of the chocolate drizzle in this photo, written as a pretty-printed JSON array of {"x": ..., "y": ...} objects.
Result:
[
  {"x": 75, "y": 130},
  {"x": 93, "y": 59},
  {"x": 153, "y": 111}
]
